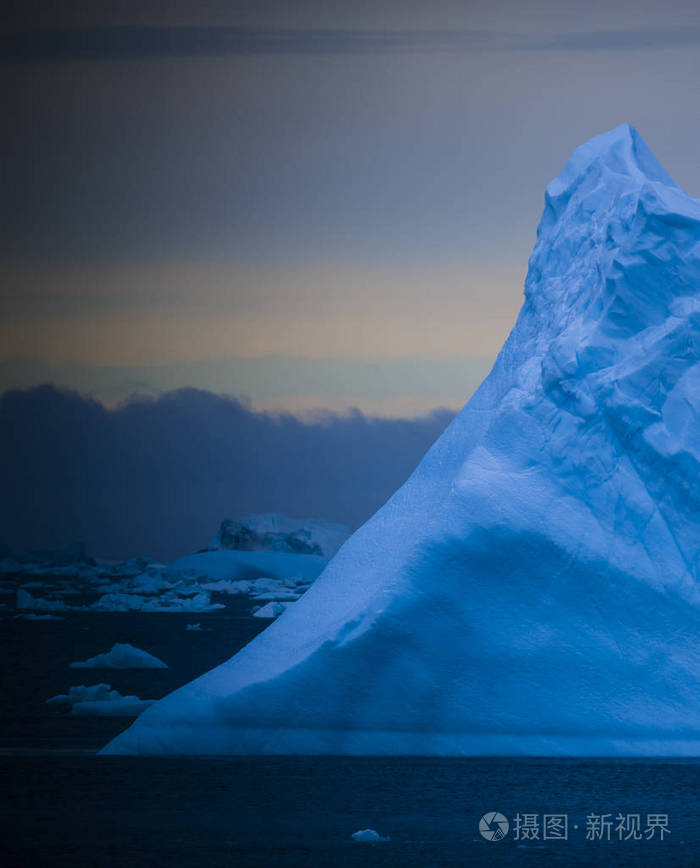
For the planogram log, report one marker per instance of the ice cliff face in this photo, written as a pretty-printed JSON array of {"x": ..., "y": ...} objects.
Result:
[{"x": 533, "y": 587}]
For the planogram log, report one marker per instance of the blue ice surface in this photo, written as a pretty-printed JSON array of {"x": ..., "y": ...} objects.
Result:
[{"x": 532, "y": 588}]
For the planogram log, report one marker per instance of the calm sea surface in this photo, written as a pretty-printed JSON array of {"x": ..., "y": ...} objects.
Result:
[{"x": 86, "y": 810}]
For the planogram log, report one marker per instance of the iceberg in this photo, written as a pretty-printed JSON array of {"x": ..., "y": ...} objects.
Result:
[
  {"x": 532, "y": 588},
  {"x": 273, "y": 531}
]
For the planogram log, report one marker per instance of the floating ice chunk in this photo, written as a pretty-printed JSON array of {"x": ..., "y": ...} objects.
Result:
[
  {"x": 122, "y": 656},
  {"x": 132, "y": 567},
  {"x": 119, "y": 602},
  {"x": 243, "y": 566},
  {"x": 26, "y": 601},
  {"x": 200, "y": 602},
  {"x": 169, "y": 602},
  {"x": 150, "y": 582},
  {"x": 100, "y": 700},
  {"x": 368, "y": 836},
  {"x": 271, "y": 610},
  {"x": 32, "y": 616},
  {"x": 275, "y": 589},
  {"x": 222, "y": 586}
]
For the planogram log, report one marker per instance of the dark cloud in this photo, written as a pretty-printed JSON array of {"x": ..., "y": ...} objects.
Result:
[
  {"x": 138, "y": 42},
  {"x": 156, "y": 476}
]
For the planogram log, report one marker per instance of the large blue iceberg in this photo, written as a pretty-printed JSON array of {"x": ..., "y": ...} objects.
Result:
[{"x": 533, "y": 587}]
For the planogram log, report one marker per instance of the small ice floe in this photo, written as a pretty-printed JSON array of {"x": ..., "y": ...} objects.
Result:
[
  {"x": 169, "y": 602},
  {"x": 26, "y": 601},
  {"x": 150, "y": 582},
  {"x": 271, "y": 610},
  {"x": 245, "y": 565},
  {"x": 196, "y": 626},
  {"x": 368, "y": 836},
  {"x": 118, "y": 602},
  {"x": 100, "y": 700},
  {"x": 225, "y": 586},
  {"x": 133, "y": 567},
  {"x": 261, "y": 588},
  {"x": 122, "y": 656},
  {"x": 279, "y": 596},
  {"x": 32, "y": 616}
]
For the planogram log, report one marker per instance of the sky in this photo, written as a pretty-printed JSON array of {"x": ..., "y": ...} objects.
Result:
[
  {"x": 306, "y": 205},
  {"x": 263, "y": 251}
]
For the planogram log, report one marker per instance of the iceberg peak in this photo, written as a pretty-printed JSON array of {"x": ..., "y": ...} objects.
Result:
[
  {"x": 615, "y": 215},
  {"x": 621, "y": 150}
]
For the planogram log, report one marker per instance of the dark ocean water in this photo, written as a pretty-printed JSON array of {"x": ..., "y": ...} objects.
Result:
[
  {"x": 35, "y": 657},
  {"x": 62, "y": 805},
  {"x": 282, "y": 811}
]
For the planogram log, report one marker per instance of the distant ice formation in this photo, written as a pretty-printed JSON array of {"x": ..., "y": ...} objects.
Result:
[
  {"x": 186, "y": 585},
  {"x": 278, "y": 533}
]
